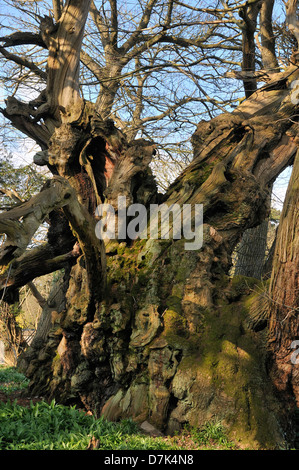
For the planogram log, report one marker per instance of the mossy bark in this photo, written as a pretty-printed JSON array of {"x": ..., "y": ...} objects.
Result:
[
  {"x": 148, "y": 328},
  {"x": 162, "y": 333}
]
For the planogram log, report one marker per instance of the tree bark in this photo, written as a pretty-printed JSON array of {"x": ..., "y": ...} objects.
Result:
[
  {"x": 249, "y": 13},
  {"x": 251, "y": 252},
  {"x": 64, "y": 58},
  {"x": 267, "y": 37},
  {"x": 148, "y": 328},
  {"x": 166, "y": 339},
  {"x": 284, "y": 298}
]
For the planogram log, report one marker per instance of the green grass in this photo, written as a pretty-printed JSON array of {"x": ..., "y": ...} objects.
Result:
[
  {"x": 11, "y": 380},
  {"x": 212, "y": 432},
  {"x": 44, "y": 426}
]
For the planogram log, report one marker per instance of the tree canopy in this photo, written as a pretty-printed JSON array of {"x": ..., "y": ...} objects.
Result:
[
  {"x": 142, "y": 326},
  {"x": 155, "y": 68}
]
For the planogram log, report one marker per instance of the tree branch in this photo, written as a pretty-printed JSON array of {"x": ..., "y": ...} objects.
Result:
[
  {"x": 291, "y": 16},
  {"x": 267, "y": 36},
  {"x": 57, "y": 10},
  {"x": 12, "y": 193},
  {"x": 37, "y": 295},
  {"x": 24, "y": 63},
  {"x": 20, "y": 223},
  {"x": 100, "y": 23},
  {"x": 64, "y": 58},
  {"x": 20, "y": 38},
  {"x": 249, "y": 14},
  {"x": 35, "y": 263},
  {"x": 114, "y": 23},
  {"x": 19, "y": 115},
  {"x": 142, "y": 25}
]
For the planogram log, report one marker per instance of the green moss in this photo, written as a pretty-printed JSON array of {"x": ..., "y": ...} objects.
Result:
[
  {"x": 142, "y": 279},
  {"x": 121, "y": 248},
  {"x": 56, "y": 365},
  {"x": 174, "y": 303},
  {"x": 199, "y": 175},
  {"x": 175, "y": 322},
  {"x": 176, "y": 332},
  {"x": 224, "y": 374},
  {"x": 230, "y": 362},
  {"x": 242, "y": 285}
]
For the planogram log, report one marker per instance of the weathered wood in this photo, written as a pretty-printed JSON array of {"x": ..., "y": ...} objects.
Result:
[
  {"x": 284, "y": 295},
  {"x": 20, "y": 223},
  {"x": 148, "y": 329},
  {"x": 168, "y": 329}
]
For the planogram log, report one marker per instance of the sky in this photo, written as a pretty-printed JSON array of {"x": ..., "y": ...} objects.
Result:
[{"x": 280, "y": 187}]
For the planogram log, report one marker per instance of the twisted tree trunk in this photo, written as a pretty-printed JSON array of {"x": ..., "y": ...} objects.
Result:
[
  {"x": 150, "y": 329},
  {"x": 165, "y": 339}
]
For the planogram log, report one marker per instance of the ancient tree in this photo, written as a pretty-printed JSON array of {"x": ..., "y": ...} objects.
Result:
[{"x": 147, "y": 328}]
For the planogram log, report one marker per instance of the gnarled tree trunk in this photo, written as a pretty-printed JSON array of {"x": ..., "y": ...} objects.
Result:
[
  {"x": 166, "y": 339},
  {"x": 150, "y": 329}
]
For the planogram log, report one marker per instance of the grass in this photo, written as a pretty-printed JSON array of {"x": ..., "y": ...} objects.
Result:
[
  {"x": 11, "y": 380},
  {"x": 43, "y": 426},
  {"x": 51, "y": 426}
]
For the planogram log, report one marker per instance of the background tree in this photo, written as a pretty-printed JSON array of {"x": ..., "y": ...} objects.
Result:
[{"x": 146, "y": 328}]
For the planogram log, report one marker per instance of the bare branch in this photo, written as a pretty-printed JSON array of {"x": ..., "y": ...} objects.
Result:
[
  {"x": 34, "y": 263},
  {"x": 23, "y": 62},
  {"x": 114, "y": 23},
  {"x": 37, "y": 295},
  {"x": 292, "y": 20},
  {"x": 20, "y": 223},
  {"x": 142, "y": 25},
  {"x": 19, "y": 115},
  {"x": 100, "y": 23},
  {"x": 267, "y": 36},
  {"x": 57, "y": 9},
  {"x": 12, "y": 193},
  {"x": 20, "y": 38},
  {"x": 64, "y": 48}
]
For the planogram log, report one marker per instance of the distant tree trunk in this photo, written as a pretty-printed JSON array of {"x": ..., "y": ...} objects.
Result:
[
  {"x": 251, "y": 252},
  {"x": 10, "y": 333},
  {"x": 267, "y": 269}
]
